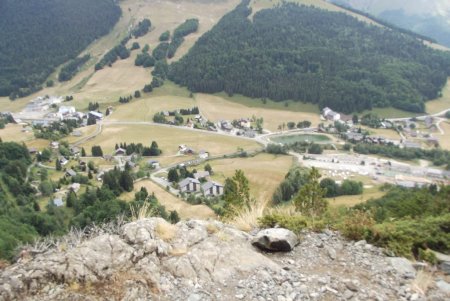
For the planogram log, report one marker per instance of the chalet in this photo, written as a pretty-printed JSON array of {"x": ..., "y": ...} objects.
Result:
[
  {"x": 203, "y": 154},
  {"x": 183, "y": 149},
  {"x": 63, "y": 161},
  {"x": 75, "y": 150},
  {"x": 32, "y": 150},
  {"x": 70, "y": 173},
  {"x": 96, "y": 115},
  {"x": 189, "y": 185},
  {"x": 75, "y": 187},
  {"x": 201, "y": 175},
  {"x": 226, "y": 125},
  {"x": 153, "y": 163},
  {"x": 58, "y": 202},
  {"x": 212, "y": 188},
  {"x": 120, "y": 152},
  {"x": 54, "y": 144}
]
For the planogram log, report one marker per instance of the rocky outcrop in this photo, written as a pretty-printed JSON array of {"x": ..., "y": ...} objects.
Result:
[
  {"x": 206, "y": 260},
  {"x": 276, "y": 240}
]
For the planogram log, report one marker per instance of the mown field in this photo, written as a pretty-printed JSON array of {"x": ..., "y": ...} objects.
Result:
[
  {"x": 440, "y": 104},
  {"x": 292, "y": 138},
  {"x": 168, "y": 139},
  {"x": 215, "y": 107},
  {"x": 264, "y": 172}
]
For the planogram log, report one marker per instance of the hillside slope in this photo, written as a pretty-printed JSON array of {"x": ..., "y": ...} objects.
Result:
[
  {"x": 431, "y": 18},
  {"x": 308, "y": 54},
  {"x": 37, "y": 36}
]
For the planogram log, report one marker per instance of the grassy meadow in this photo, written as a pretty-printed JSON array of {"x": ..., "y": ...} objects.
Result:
[
  {"x": 168, "y": 139},
  {"x": 264, "y": 172}
]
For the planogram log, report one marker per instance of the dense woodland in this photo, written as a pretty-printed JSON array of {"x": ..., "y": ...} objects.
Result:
[
  {"x": 304, "y": 53},
  {"x": 38, "y": 36},
  {"x": 22, "y": 219}
]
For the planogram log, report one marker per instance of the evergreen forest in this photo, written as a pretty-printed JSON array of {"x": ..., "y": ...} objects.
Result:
[
  {"x": 308, "y": 54},
  {"x": 38, "y": 36}
]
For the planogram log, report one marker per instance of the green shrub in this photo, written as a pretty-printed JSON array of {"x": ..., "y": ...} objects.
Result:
[
  {"x": 428, "y": 256},
  {"x": 295, "y": 223},
  {"x": 405, "y": 237},
  {"x": 357, "y": 225}
]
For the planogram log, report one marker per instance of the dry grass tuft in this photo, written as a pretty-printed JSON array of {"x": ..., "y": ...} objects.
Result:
[
  {"x": 211, "y": 228},
  {"x": 423, "y": 281},
  {"x": 247, "y": 218},
  {"x": 141, "y": 212},
  {"x": 165, "y": 231},
  {"x": 3, "y": 264}
]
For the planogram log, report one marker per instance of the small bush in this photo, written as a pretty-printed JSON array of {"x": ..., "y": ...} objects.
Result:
[
  {"x": 357, "y": 225},
  {"x": 428, "y": 256},
  {"x": 295, "y": 223}
]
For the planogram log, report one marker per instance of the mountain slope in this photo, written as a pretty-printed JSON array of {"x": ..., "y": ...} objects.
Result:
[
  {"x": 37, "y": 36},
  {"x": 308, "y": 54},
  {"x": 430, "y": 18}
]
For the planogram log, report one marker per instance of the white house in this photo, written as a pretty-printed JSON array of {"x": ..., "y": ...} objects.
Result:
[
  {"x": 189, "y": 185},
  {"x": 54, "y": 144},
  {"x": 203, "y": 154},
  {"x": 64, "y": 110},
  {"x": 120, "y": 152},
  {"x": 63, "y": 161},
  {"x": 58, "y": 202},
  {"x": 330, "y": 114},
  {"x": 212, "y": 188}
]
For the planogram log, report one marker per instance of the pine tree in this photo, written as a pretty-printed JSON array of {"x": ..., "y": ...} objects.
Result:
[
  {"x": 58, "y": 165},
  {"x": 126, "y": 181},
  {"x": 310, "y": 199},
  {"x": 83, "y": 152},
  {"x": 236, "y": 193},
  {"x": 71, "y": 199}
]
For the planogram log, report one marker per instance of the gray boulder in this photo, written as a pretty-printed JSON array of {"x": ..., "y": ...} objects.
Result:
[
  {"x": 404, "y": 267},
  {"x": 443, "y": 286},
  {"x": 275, "y": 240}
]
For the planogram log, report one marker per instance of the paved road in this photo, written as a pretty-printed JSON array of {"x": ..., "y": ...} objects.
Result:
[{"x": 439, "y": 114}]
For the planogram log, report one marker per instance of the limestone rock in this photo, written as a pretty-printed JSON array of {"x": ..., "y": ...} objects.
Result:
[
  {"x": 276, "y": 239},
  {"x": 403, "y": 266},
  {"x": 151, "y": 259},
  {"x": 443, "y": 286}
]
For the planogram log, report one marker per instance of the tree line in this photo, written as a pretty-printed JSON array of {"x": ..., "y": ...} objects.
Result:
[
  {"x": 69, "y": 70},
  {"x": 309, "y": 54}
]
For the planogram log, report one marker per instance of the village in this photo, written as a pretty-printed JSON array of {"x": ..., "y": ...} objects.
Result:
[{"x": 78, "y": 167}]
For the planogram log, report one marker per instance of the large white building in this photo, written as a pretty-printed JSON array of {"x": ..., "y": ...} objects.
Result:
[{"x": 329, "y": 114}]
